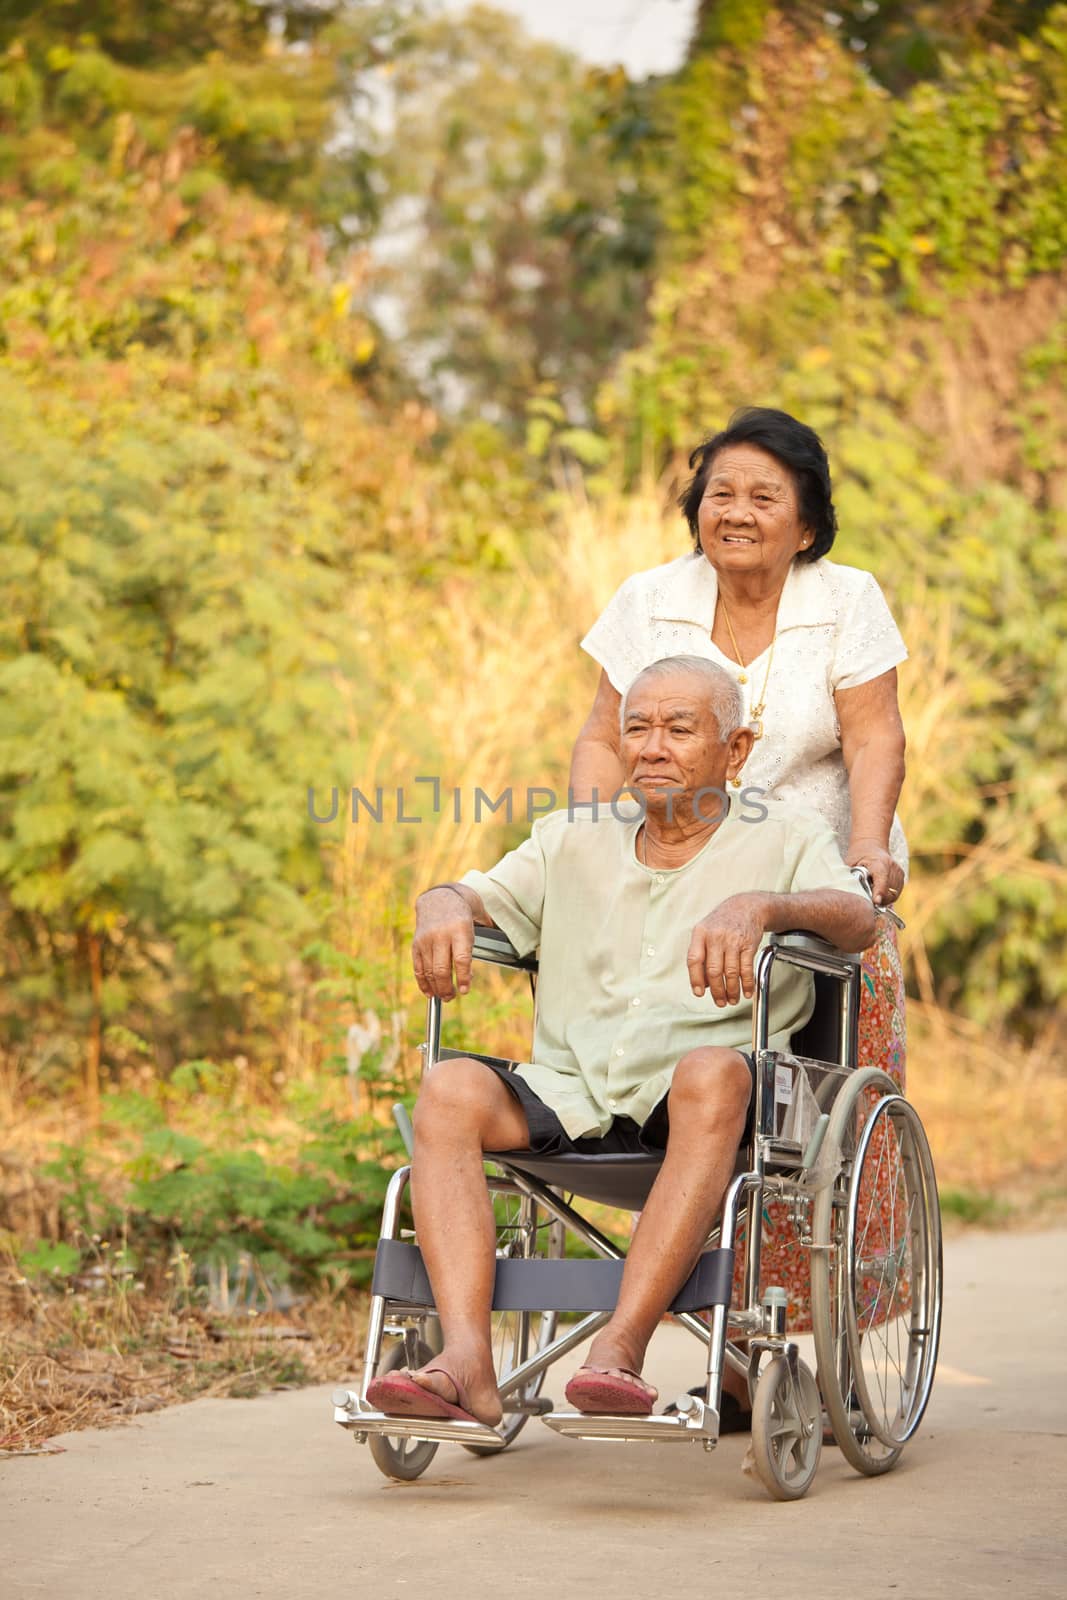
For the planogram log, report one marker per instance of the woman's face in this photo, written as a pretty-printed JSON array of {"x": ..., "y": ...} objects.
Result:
[{"x": 749, "y": 518}]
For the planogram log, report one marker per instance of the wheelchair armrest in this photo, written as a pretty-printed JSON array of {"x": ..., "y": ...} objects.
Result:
[
  {"x": 813, "y": 951},
  {"x": 801, "y": 948},
  {"x": 493, "y": 944}
]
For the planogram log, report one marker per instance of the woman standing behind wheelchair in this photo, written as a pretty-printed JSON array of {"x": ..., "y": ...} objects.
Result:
[{"x": 815, "y": 650}]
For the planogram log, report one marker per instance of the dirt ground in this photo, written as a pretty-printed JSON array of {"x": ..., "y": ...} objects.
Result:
[{"x": 266, "y": 1497}]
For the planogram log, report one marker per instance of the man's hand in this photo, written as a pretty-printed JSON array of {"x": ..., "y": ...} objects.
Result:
[
  {"x": 722, "y": 951},
  {"x": 444, "y": 939}
]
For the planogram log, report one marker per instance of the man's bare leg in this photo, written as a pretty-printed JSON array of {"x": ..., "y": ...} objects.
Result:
[
  {"x": 707, "y": 1106},
  {"x": 463, "y": 1109}
]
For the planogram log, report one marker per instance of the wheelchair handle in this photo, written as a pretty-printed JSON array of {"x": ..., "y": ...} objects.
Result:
[{"x": 863, "y": 877}]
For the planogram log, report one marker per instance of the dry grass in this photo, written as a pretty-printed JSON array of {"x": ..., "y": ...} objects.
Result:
[
  {"x": 90, "y": 1356},
  {"x": 996, "y": 1115}
]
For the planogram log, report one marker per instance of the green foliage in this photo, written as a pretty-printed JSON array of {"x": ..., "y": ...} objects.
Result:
[
  {"x": 143, "y": 30},
  {"x": 88, "y": 86},
  {"x": 266, "y": 90},
  {"x": 904, "y": 41},
  {"x": 44, "y": 1259},
  {"x": 159, "y": 703},
  {"x": 975, "y": 1207},
  {"x": 729, "y": 24},
  {"x": 21, "y": 95},
  {"x": 192, "y": 487},
  {"x": 308, "y": 1214},
  {"x": 975, "y": 173}
]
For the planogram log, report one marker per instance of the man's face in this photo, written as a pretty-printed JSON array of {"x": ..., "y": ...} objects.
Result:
[{"x": 670, "y": 744}]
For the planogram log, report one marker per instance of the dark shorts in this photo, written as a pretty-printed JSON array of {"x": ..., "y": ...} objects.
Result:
[{"x": 548, "y": 1137}]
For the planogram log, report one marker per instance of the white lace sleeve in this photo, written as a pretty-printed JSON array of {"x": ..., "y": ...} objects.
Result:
[
  {"x": 620, "y": 637},
  {"x": 868, "y": 641}
]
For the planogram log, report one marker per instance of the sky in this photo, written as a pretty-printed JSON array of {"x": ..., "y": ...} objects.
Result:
[{"x": 645, "y": 36}]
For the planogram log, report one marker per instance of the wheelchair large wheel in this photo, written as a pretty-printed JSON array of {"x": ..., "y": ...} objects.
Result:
[
  {"x": 523, "y": 1231},
  {"x": 876, "y": 1273},
  {"x": 395, "y": 1457}
]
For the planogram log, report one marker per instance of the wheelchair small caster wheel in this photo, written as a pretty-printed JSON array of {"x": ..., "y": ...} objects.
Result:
[
  {"x": 405, "y": 1459},
  {"x": 786, "y": 1429}
]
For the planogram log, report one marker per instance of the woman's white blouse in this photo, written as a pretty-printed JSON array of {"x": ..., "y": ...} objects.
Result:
[{"x": 835, "y": 631}]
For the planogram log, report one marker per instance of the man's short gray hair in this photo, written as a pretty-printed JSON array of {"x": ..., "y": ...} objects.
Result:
[{"x": 727, "y": 704}]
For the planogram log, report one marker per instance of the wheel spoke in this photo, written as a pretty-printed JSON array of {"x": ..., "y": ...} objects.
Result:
[{"x": 787, "y": 1430}]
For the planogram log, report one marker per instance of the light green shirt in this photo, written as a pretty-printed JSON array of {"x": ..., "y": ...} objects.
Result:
[{"x": 615, "y": 1010}]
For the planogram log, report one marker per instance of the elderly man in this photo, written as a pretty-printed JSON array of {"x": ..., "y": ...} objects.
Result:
[{"x": 648, "y": 930}]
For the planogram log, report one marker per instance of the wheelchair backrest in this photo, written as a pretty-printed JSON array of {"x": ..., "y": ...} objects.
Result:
[{"x": 820, "y": 1037}]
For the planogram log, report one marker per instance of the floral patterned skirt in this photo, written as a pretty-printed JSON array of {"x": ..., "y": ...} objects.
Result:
[{"x": 783, "y": 1259}]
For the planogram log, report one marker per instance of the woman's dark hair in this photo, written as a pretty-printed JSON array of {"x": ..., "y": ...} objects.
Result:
[{"x": 796, "y": 446}]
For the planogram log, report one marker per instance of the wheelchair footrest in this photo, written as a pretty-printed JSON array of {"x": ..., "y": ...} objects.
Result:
[
  {"x": 701, "y": 1426},
  {"x": 441, "y": 1430}
]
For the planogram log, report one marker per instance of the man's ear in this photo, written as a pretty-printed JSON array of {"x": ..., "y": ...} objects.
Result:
[{"x": 739, "y": 748}]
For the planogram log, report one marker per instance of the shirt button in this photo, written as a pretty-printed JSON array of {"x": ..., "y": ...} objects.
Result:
[
  {"x": 636, "y": 1001},
  {"x": 651, "y": 950},
  {"x": 611, "y": 1102},
  {"x": 619, "y": 1052},
  {"x": 659, "y": 877}
]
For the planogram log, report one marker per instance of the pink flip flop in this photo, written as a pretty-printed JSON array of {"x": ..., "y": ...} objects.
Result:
[
  {"x": 600, "y": 1391},
  {"x": 398, "y": 1395}
]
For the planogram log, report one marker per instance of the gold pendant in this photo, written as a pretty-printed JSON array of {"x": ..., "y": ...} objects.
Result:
[{"x": 757, "y": 728}]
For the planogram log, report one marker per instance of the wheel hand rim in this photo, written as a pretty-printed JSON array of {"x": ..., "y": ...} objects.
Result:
[{"x": 906, "y": 1284}]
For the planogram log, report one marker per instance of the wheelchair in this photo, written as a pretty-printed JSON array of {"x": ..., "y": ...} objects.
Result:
[{"x": 841, "y": 1147}]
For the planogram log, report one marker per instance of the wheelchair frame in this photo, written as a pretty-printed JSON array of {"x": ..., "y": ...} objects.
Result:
[{"x": 773, "y": 1168}]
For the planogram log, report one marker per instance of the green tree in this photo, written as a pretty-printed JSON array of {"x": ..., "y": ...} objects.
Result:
[
  {"x": 900, "y": 42},
  {"x": 278, "y": 95},
  {"x": 517, "y": 234}
]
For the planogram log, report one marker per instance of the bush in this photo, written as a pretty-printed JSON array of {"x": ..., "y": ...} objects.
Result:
[
  {"x": 308, "y": 1215},
  {"x": 21, "y": 95},
  {"x": 90, "y": 88}
]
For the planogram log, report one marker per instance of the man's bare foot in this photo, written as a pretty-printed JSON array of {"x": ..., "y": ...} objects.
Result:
[
  {"x": 610, "y": 1391},
  {"x": 472, "y": 1390},
  {"x": 613, "y": 1358}
]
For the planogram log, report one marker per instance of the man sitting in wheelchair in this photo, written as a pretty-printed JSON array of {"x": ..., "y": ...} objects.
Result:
[{"x": 648, "y": 929}]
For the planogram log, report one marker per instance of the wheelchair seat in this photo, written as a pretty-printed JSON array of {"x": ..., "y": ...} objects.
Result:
[{"x": 624, "y": 1181}]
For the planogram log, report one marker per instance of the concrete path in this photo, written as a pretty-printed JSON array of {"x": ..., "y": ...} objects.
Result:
[{"x": 267, "y": 1498}]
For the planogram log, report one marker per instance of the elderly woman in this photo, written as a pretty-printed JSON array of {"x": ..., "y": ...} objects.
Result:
[
  {"x": 815, "y": 650},
  {"x": 811, "y": 643}
]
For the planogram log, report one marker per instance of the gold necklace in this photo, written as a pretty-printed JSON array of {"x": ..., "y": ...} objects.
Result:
[{"x": 756, "y": 717}]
